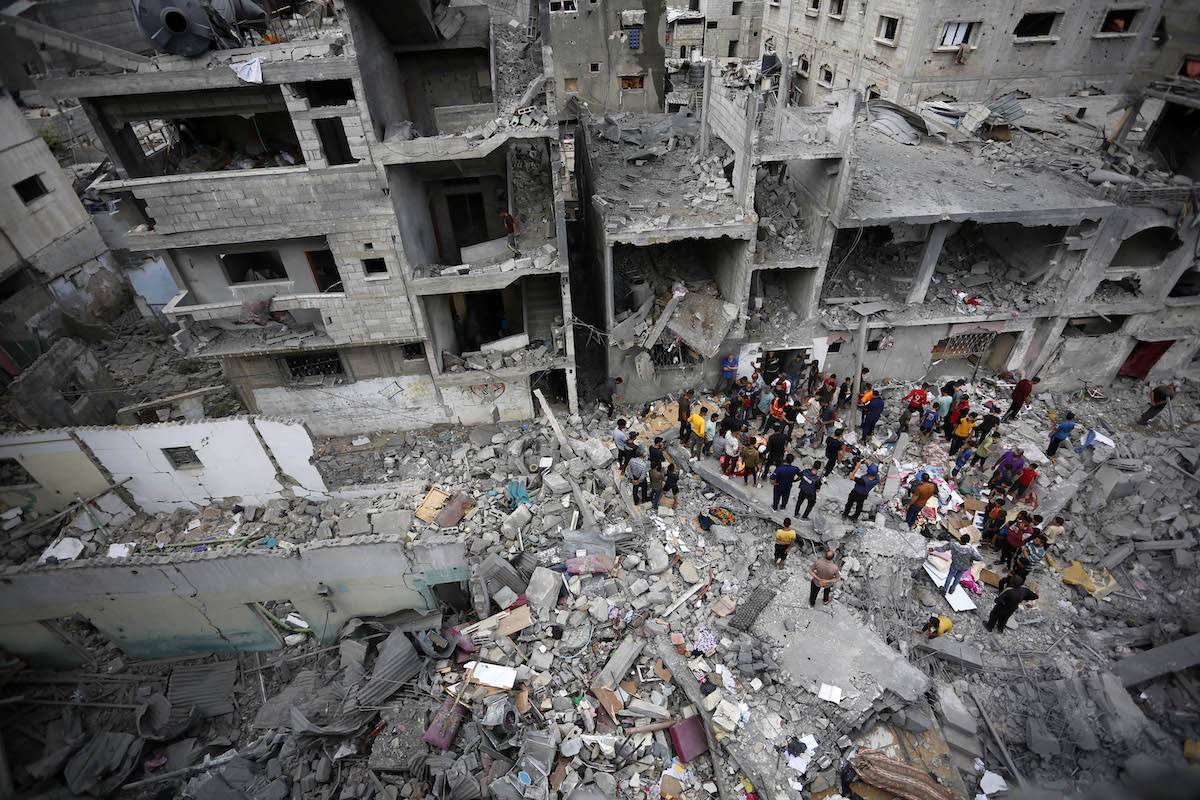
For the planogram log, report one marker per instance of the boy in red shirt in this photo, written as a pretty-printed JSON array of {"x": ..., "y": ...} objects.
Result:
[{"x": 1024, "y": 482}]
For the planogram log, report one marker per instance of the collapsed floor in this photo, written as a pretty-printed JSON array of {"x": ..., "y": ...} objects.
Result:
[{"x": 604, "y": 650}]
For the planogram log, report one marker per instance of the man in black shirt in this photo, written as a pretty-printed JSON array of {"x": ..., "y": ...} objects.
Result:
[
  {"x": 1008, "y": 601},
  {"x": 833, "y": 448},
  {"x": 776, "y": 444},
  {"x": 1159, "y": 397}
]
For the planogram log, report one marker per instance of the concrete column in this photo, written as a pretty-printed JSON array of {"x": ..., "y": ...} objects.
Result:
[
  {"x": 704, "y": 96},
  {"x": 1020, "y": 348},
  {"x": 929, "y": 258},
  {"x": 860, "y": 352}
]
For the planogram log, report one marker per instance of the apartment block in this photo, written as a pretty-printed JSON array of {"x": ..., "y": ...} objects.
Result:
[
  {"x": 361, "y": 212},
  {"x": 917, "y": 50}
]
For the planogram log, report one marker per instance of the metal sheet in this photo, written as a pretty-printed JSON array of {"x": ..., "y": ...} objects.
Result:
[{"x": 208, "y": 687}]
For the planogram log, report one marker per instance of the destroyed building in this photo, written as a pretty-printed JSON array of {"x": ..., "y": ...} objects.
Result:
[
  {"x": 359, "y": 211},
  {"x": 930, "y": 49}
]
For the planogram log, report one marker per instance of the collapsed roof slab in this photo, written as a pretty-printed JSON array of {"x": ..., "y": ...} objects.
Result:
[
  {"x": 667, "y": 233},
  {"x": 932, "y": 182}
]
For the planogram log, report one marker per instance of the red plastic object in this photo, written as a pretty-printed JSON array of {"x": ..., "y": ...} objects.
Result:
[{"x": 689, "y": 739}]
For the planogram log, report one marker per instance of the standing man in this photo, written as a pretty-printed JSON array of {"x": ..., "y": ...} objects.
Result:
[
  {"x": 843, "y": 398},
  {"x": 772, "y": 365},
  {"x": 781, "y": 481},
  {"x": 944, "y": 402},
  {"x": 750, "y": 460},
  {"x": 913, "y": 402},
  {"x": 657, "y": 453},
  {"x": 785, "y": 537},
  {"x": 776, "y": 445},
  {"x": 1007, "y": 467},
  {"x": 989, "y": 422},
  {"x": 655, "y": 480},
  {"x": 864, "y": 399},
  {"x": 1020, "y": 395},
  {"x": 874, "y": 410},
  {"x": 924, "y": 490},
  {"x": 1007, "y": 603},
  {"x": 698, "y": 426},
  {"x": 621, "y": 441},
  {"x": 863, "y": 486},
  {"x": 833, "y": 450},
  {"x": 636, "y": 472},
  {"x": 962, "y": 555},
  {"x": 729, "y": 367},
  {"x": 826, "y": 418},
  {"x": 790, "y": 413},
  {"x": 1061, "y": 432},
  {"x": 685, "y": 413},
  {"x": 824, "y": 574},
  {"x": 610, "y": 392},
  {"x": 962, "y": 432},
  {"x": 1159, "y": 397},
  {"x": 810, "y": 484},
  {"x": 710, "y": 434},
  {"x": 733, "y": 446}
]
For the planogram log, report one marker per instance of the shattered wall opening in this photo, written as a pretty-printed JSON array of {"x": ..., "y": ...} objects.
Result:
[
  {"x": 1176, "y": 137},
  {"x": 787, "y": 218},
  {"x": 780, "y": 301},
  {"x": 1146, "y": 248},
  {"x": 1112, "y": 290},
  {"x": 878, "y": 262},
  {"x": 1188, "y": 284},
  {"x": 1101, "y": 325},
  {"x": 192, "y": 132},
  {"x": 518, "y": 325},
  {"x": 682, "y": 287}
]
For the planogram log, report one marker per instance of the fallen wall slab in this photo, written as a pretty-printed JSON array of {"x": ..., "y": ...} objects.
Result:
[{"x": 1174, "y": 656}]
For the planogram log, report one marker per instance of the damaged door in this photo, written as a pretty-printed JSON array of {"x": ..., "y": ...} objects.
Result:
[{"x": 1143, "y": 358}]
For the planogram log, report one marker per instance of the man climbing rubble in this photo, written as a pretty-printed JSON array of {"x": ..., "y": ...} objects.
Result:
[
  {"x": 1020, "y": 396},
  {"x": 924, "y": 490},
  {"x": 1007, "y": 603},
  {"x": 1160, "y": 396}
]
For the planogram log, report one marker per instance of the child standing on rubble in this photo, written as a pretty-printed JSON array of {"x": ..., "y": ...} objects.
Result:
[
  {"x": 750, "y": 461},
  {"x": 785, "y": 537},
  {"x": 929, "y": 420}
]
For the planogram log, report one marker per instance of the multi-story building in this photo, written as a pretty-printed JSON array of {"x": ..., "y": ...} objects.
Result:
[
  {"x": 912, "y": 51},
  {"x": 610, "y": 54},
  {"x": 361, "y": 212}
]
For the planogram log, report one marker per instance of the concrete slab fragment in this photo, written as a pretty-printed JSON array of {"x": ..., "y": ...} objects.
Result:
[{"x": 1174, "y": 656}]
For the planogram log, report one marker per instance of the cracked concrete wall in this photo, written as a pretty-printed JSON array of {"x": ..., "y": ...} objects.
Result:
[
  {"x": 202, "y": 603},
  {"x": 60, "y": 470}
]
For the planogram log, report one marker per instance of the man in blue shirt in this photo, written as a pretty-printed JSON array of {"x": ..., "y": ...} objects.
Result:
[
  {"x": 810, "y": 483},
  {"x": 1060, "y": 434},
  {"x": 863, "y": 486},
  {"x": 729, "y": 365},
  {"x": 785, "y": 474}
]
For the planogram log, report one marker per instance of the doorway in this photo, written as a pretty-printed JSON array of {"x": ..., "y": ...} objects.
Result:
[
  {"x": 1143, "y": 358},
  {"x": 324, "y": 270},
  {"x": 467, "y": 218}
]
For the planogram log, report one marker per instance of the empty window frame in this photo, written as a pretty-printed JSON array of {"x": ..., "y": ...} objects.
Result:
[
  {"x": 334, "y": 143},
  {"x": 562, "y": 6},
  {"x": 412, "y": 351},
  {"x": 802, "y": 66},
  {"x": 825, "y": 76},
  {"x": 182, "y": 458},
  {"x": 30, "y": 189},
  {"x": 315, "y": 365},
  {"x": 322, "y": 94},
  {"x": 374, "y": 267},
  {"x": 594, "y": 66},
  {"x": 837, "y": 8},
  {"x": 711, "y": 24},
  {"x": 813, "y": 7},
  {"x": 633, "y": 83},
  {"x": 1119, "y": 21},
  {"x": 737, "y": 8},
  {"x": 254, "y": 267},
  {"x": 570, "y": 84},
  {"x": 957, "y": 34},
  {"x": 732, "y": 49},
  {"x": 887, "y": 30},
  {"x": 835, "y": 347},
  {"x": 13, "y": 473},
  {"x": 1037, "y": 25}
]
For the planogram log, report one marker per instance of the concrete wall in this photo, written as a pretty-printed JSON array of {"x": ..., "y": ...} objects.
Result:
[
  {"x": 202, "y": 603},
  {"x": 744, "y": 28},
  {"x": 593, "y": 35},
  {"x": 206, "y": 281},
  {"x": 1073, "y": 58},
  {"x": 1159, "y": 59},
  {"x": 67, "y": 385},
  {"x": 234, "y": 462},
  {"x": 60, "y": 469},
  {"x": 907, "y": 360}
]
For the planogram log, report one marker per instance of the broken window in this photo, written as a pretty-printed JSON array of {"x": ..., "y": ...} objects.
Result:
[
  {"x": 732, "y": 50},
  {"x": 1101, "y": 325},
  {"x": 888, "y": 26},
  {"x": 374, "y": 266},
  {"x": 314, "y": 366},
  {"x": 802, "y": 66},
  {"x": 562, "y": 6},
  {"x": 182, "y": 458},
  {"x": 30, "y": 189},
  {"x": 1036, "y": 24},
  {"x": 334, "y": 143},
  {"x": 632, "y": 83},
  {"x": 253, "y": 267},
  {"x": 328, "y": 93},
  {"x": 324, "y": 270},
  {"x": 13, "y": 473},
  {"x": 570, "y": 84},
  {"x": 412, "y": 351},
  {"x": 1188, "y": 284},
  {"x": 955, "y": 34},
  {"x": 1111, "y": 289},
  {"x": 1119, "y": 20},
  {"x": 837, "y": 8},
  {"x": 835, "y": 347},
  {"x": 737, "y": 8},
  {"x": 814, "y": 5},
  {"x": 594, "y": 66},
  {"x": 826, "y": 76}
]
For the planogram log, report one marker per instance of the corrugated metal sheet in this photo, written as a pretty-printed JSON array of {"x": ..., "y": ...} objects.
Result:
[
  {"x": 208, "y": 687},
  {"x": 397, "y": 662}
]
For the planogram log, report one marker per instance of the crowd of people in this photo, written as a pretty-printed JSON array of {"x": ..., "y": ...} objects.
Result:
[{"x": 759, "y": 426}]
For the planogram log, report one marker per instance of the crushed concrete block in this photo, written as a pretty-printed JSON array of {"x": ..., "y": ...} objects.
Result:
[
  {"x": 556, "y": 484},
  {"x": 620, "y": 662},
  {"x": 643, "y": 708},
  {"x": 389, "y": 522},
  {"x": 504, "y": 597},
  {"x": 657, "y": 560},
  {"x": 497, "y": 572},
  {"x": 354, "y": 524},
  {"x": 1039, "y": 739},
  {"x": 543, "y": 590},
  {"x": 954, "y": 711}
]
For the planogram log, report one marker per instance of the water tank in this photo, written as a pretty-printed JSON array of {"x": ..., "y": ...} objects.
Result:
[{"x": 192, "y": 27}]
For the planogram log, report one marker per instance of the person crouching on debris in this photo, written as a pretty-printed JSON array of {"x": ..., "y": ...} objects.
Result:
[
  {"x": 929, "y": 420},
  {"x": 1007, "y": 603},
  {"x": 1024, "y": 482},
  {"x": 937, "y": 626},
  {"x": 863, "y": 486},
  {"x": 785, "y": 537},
  {"x": 824, "y": 574}
]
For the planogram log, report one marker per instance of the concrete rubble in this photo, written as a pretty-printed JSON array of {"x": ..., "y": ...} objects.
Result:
[{"x": 572, "y": 663}]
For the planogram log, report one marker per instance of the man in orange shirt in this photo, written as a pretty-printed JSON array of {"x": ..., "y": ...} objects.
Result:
[{"x": 924, "y": 490}]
